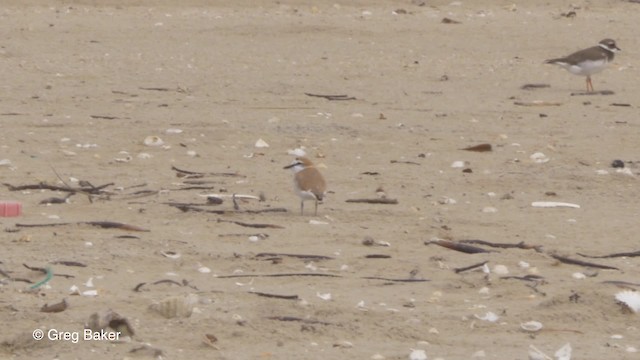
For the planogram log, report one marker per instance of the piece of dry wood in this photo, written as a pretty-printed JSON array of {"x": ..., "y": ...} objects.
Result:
[
  {"x": 468, "y": 249},
  {"x": 182, "y": 172},
  {"x": 102, "y": 224},
  {"x": 332, "y": 97},
  {"x": 374, "y": 201},
  {"x": 297, "y": 319},
  {"x": 394, "y": 280},
  {"x": 570, "y": 261},
  {"x": 591, "y": 93},
  {"x": 275, "y": 296},
  {"x": 479, "y": 148},
  {"x": 276, "y": 275},
  {"x": 470, "y": 267},
  {"x": 94, "y": 190},
  {"x": 252, "y": 225},
  {"x": 44, "y": 271},
  {"x": 624, "y": 254},
  {"x": 298, "y": 256},
  {"x": 520, "y": 245}
]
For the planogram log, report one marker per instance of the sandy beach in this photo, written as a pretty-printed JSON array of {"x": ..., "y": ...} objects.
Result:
[{"x": 119, "y": 118}]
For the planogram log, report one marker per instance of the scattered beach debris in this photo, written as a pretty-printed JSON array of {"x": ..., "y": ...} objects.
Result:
[
  {"x": 479, "y": 148},
  {"x": 552, "y": 204},
  {"x": 176, "y": 306},
  {"x": 332, "y": 97},
  {"x": 534, "y": 86},
  {"x": 447, "y": 20},
  {"x": 531, "y": 326},
  {"x": 630, "y": 299},
  {"x": 101, "y": 224},
  {"x": 468, "y": 249},
  {"x": 55, "y": 308}
]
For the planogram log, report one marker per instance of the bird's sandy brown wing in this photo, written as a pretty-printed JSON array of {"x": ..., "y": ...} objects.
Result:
[
  {"x": 592, "y": 53},
  {"x": 311, "y": 180}
]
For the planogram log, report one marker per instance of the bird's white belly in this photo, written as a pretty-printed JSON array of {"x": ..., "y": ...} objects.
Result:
[{"x": 587, "y": 68}]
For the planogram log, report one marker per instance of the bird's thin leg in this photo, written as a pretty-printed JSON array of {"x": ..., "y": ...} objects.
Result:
[
  {"x": 302, "y": 207},
  {"x": 316, "y": 213},
  {"x": 589, "y": 84}
]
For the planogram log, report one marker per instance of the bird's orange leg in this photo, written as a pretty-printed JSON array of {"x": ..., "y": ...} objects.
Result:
[{"x": 589, "y": 84}]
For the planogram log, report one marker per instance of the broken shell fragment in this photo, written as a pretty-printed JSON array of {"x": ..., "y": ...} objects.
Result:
[
  {"x": 539, "y": 158},
  {"x": 630, "y": 299},
  {"x": 153, "y": 141},
  {"x": 176, "y": 306},
  {"x": 531, "y": 326},
  {"x": 550, "y": 204},
  {"x": 417, "y": 354},
  {"x": 261, "y": 144}
]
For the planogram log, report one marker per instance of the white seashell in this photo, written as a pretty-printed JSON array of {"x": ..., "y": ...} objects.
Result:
[
  {"x": 539, "y": 158},
  {"x": 152, "y": 140},
  {"x": 458, "y": 164},
  {"x": 523, "y": 264},
  {"x": 74, "y": 290},
  {"x": 630, "y": 298},
  {"x": 417, "y": 355},
  {"x": 617, "y": 336},
  {"x": 204, "y": 270},
  {"x": 176, "y": 306},
  {"x": 89, "y": 283},
  {"x": 489, "y": 209},
  {"x": 297, "y": 152},
  {"x": 564, "y": 353},
  {"x": 124, "y": 159},
  {"x": 578, "y": 275},
  {"x": 311, "y": 266},
  {"x": 144, "y": 156},
  {"x": 5, "y": 162},
  {"x": 489, "y": 316},
  {"x": 317, "y": 222},
  {"x": 90, "y": 293},
  {"x": 261, "y": 144},
  {"x": 602, "y": 172},
  {"x": 192, "y": 153},
  {"x": 377, "y": 357},
  {"x": 484, "y": 291},
  {"x": 433, "y": 331},
  {"x": 69, "y": 153},
  {"x": 631, "y": 349},
  {"x": 625, "y": 171},
  {"x": 531, "y": 326},
  {"x": 173, "y": 131},
  {"x": 500, "y": 270},
  {"x": 535, "y": 354},
  {"x": 254, "y": 238},
  {"x": 549, "y": 204},
  {"x": 325, "y": 296},
  {"x": 170, "y": 254}
]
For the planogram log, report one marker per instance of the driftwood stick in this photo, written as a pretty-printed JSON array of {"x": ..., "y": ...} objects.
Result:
[
  {"x": 468, "y": 249},
  {"x": 394, "y": 280},
  {"x": 470, "y": 267},
  {"x": 277, "y": 275},
  {"x": 298, "y": 256},
  {"x": 625, "y": 254},
  {"x": 275, "y": 296},
  {"x": 102, "y": 224},
  {"x": 373, "y": 201},
  {"x": 293, "y": 318},
  {"x": 187, "y": 172},
  {"x": 567, "y": 260},
  {"x": 332, "y": 97},
  {"x": 520, "y": 245},
  {"x": 259, "y": 226}
]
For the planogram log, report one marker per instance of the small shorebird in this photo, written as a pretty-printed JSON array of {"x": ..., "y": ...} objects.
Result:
[
  {"x": 307, "y": 182},
  {"x": 588, "y": 61}
]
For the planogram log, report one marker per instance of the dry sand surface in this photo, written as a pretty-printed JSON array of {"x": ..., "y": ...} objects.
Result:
[{"x": 84, "y": 83}]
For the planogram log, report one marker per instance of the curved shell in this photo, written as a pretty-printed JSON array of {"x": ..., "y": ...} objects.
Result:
[
  {"x": 153, "y": 141},
  {"x": 531, "y": 326}
]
